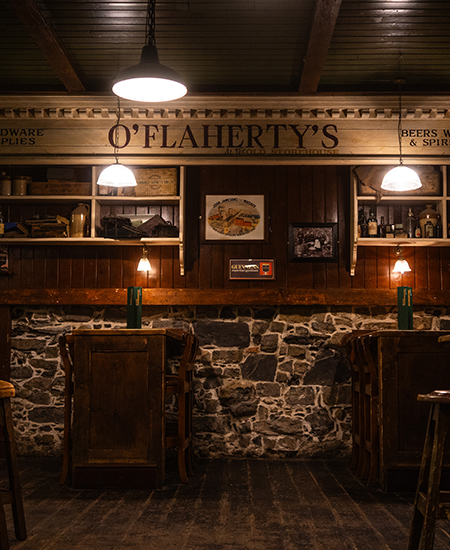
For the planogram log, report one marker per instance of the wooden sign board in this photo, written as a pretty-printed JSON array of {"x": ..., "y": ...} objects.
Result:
[{"x": 252, "y": 269}]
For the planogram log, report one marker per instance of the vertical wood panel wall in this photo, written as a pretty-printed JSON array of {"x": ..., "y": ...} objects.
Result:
[{"x": 292, "y": 193}]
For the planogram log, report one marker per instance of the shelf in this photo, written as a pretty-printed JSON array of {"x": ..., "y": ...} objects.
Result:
[
  {"x": 87, "y": 241},
  {"x": 22, "y": 207},
  {"x": 403, "y": 242},
  {"x": 399, "y": 203}
]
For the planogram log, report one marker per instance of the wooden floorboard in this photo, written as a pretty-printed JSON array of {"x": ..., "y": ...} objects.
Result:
[{"x": 228, "y": 505}]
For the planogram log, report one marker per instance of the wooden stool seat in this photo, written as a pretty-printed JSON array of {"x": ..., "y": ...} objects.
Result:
[
  {"x": 430, "y": 502},
  {"x": 12, "y": 496}
]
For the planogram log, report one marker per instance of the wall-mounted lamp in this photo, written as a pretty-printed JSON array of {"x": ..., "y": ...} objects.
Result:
[
  {"x": 149, "y": 80},
  {"x": 144, "y": 262},
  {"x": 117, "y": 175},
  {"x": 400, "y": 178},
  {"x": 401, "y": 265}
]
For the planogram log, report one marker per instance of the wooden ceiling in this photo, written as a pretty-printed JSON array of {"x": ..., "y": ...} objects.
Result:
[{"x": 229, "y": 46}]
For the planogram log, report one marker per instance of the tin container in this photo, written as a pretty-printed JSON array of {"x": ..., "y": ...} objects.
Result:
[
  {"x": 5, "y": 184},
  {"x": 20, "y": 185}
]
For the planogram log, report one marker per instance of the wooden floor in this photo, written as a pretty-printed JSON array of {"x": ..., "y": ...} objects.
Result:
[{"x": 228, "y": 505}]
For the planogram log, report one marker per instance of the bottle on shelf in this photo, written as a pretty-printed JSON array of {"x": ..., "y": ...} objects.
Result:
[
  {"x": 363, "y": 227},
  {"x": 429, "y": 230},
  {"x": 428, "y": 214},
  {"x": 418, "y": 230},
  {"x": 372, "y": 223},
  {"x": 438, "y": 229},
  {"x": 410, "y": 225},
  {"x": 382, "y": 229},
  {"x": 2, "y": 225}
]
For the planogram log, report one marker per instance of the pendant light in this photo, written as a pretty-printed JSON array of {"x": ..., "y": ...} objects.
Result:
[
  {"x": 400, "y": 178},
  {"x": 117, "y": 175},
  {"x": 149, "y": 80},
  {"x": 401, "y": 265},
  {"x": 144, "y": 262}
]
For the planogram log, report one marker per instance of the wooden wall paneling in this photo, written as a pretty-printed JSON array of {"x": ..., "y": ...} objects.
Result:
[
  {"x": 192, "y": 225},
  {"x": 275, "y": 183},
  {"x": 179, "y": 281},
  {"x": 320, "y": 190},
  {"x": 445, "y": 259},
  {"x": 408, "y": 277},
  {"x": 383, "y": 273},
  {"x": 332, "y": 216},
  {"x": 130, "y": 265},
  {"x": 293, "y": 216},
  {"x": 357, "y": 280},
  {"x": 78, "y": 266},
  {"x": 370, "y": 267},
  {"x": 434, "y": 268},
  {"x": 154, "y": 276},
  {"x": 344, "y": 220},
  {"x": 52, "y": 267},
  {"x": 65, "y": 266},
  {"x": 26, "y": 267},
  {"x": 5, "y": 342},
  {"x": 167, "y": 266},
  {"x": 306, "y": 215},
  {"x": 39, "y": 266},
  {"x": 116, "y": 266},
  {"x": 90, "y": 266},
  {"x": 421, "y": 271},
  {"x": 219, "y": 266},
  {"x": 103, "y": 266}
]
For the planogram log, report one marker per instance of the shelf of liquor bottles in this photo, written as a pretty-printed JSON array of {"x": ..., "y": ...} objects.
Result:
[{"x": 410, "y": 220}]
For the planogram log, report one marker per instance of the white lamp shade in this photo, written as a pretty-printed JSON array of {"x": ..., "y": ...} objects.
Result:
[
  {"x": 149, "y": 80},
  {"x": 117, "y": 175},
  {"x": 401, "y": 266},
  {"x": 401, "y": 178},
  {"x": 144, "y": 264}
]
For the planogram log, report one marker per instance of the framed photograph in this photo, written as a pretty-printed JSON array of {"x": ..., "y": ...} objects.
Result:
[
  {"x": 313, "y": 242},
  {"x": 234, "y": 218}
]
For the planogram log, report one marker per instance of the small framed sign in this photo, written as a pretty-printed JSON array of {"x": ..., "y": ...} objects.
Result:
[{"x": 252, "y": 269}]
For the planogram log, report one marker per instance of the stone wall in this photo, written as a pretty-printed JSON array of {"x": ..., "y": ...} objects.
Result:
[{"x": 269, "y": 382}]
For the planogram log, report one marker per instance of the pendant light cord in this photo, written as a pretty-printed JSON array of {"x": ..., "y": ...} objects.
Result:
[
  {"x": 116, "y": 132},
  {"x": 150, "y": 24},
  {"x": 400, "y": 129}
]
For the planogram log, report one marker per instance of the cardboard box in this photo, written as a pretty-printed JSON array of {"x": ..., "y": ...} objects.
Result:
[{"x": 155, "y": 182}]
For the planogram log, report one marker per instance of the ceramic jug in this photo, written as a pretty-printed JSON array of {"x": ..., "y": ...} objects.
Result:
[{"x": 78, "y": 219}]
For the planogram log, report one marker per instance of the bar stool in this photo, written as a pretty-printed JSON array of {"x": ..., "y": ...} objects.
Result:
[
  {"x": 430, "y": 502},
  {"x": 13, "y": 495}
]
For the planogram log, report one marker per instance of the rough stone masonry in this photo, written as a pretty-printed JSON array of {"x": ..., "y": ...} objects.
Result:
[{"x": 269, "y": 381}]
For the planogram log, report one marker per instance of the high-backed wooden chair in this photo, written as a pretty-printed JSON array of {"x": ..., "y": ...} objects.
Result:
[
  {"x": 179, "y": 434},
  {"x": 66, "y": 342},
  {"x": 13, "y": 495},
  {"x": 371, "y": 444}
]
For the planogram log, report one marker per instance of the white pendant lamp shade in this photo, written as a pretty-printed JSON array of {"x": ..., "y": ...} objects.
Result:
[
  {"x": 401, "y": 266},
  {"x": 117, "y": 175},
  {"x": 149, "y": 81},
  {"x": 144, "y": 262},
  {"x": 401, "y": 178}
]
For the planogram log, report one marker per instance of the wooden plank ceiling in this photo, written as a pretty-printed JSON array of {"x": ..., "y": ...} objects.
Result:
[{"x": 229, "y": 46}]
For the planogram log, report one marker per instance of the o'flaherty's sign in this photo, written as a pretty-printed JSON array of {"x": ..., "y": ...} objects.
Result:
[{"x": 272, "y": 128}]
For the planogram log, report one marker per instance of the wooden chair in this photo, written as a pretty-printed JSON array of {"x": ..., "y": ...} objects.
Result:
[
  {"x": 371, "y": 442},
  {"x": 430, "y": 502},
  {"x": 13, "y": 495},
  {"x": 179, "y": 434},
  {"x": 66, "y": 342}
]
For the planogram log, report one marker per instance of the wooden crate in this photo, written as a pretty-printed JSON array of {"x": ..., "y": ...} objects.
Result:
[
  {"x": 60, "y": 187},
  {"x": 155, "y": 182}
]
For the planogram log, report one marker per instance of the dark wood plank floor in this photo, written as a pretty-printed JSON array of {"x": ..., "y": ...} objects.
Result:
[{"x": 228, "y": 505}]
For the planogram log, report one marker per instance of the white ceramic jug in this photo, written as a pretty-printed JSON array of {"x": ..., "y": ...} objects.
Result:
[{"x": 78, "y": 220}]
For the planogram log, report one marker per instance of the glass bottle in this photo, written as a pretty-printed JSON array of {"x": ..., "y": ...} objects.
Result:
[
  {"x": 429, "y": 230},
  {"x": 372, "y": 223},
  {"x": 428, "y": 214},
  {"x": 418, "y": 230},
  {"x": 410, "y": 224},
  {"x": 438, "y": 230},
  {"x": 2, "y": 225},
  {"x": 382, "y": 229},
  {"x": 363, "y": 227}
]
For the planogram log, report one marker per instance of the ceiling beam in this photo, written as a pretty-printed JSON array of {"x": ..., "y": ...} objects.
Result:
[
  {"x": 48, "y": 42},
  {"x": 325, "y": 17}
]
